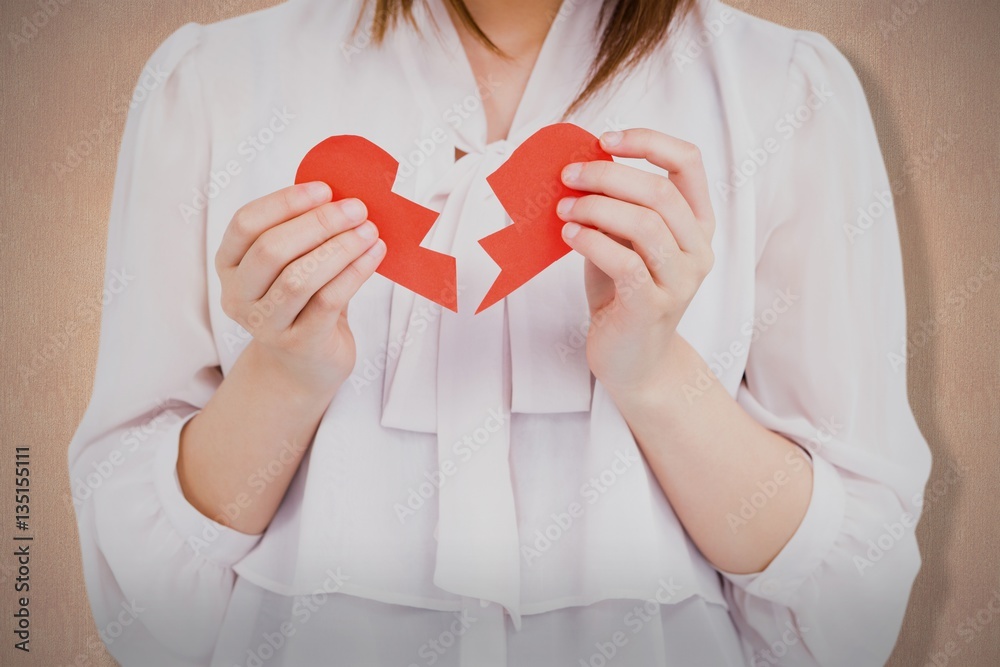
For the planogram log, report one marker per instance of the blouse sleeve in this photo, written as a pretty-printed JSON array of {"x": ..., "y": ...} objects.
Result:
[
  {"x": 159, "y": 574},
  {"x": 827, "y": 369}
]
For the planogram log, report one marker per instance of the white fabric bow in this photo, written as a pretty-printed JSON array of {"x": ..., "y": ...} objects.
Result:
[{"x": 470, "y": 404}]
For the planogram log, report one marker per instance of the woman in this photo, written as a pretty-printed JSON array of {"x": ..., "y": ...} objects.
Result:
[{"x": 684, "y": 443}]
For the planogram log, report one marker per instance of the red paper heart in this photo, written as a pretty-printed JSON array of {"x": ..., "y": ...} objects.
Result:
[
  {"x": 355, "y": 167},
  {"x": 529, "y": 186}
]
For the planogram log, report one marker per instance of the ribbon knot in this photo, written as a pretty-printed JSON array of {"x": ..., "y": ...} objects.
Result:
[{"x": 461, "y": 375}]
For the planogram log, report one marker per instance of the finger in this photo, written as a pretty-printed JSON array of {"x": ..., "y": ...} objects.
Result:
[
  {"x": 261, "y": 214},
  {"x": 621, "y": 264},
  {"x": 298, "y": 283},
  {"x": 681, "y": 159},
  {"x": 278, "y": 246},
  {"x": 642, "y": 188},
  {"x": 321, "y": 313},
  {"x": 638, "y": 225}
]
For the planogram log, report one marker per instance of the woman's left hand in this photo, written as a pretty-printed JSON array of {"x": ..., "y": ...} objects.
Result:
[{"x": 647, "y": 240}]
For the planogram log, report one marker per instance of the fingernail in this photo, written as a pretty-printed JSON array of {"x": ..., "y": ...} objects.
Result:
[
  {"x": 572, "y": 172},
  {"x": 318, "y": 191},
  {"x": 354, "y": 209},
  {"x": 368, "y": 231},
  {"x": 565, "y": 206},
  {"x": 611, "y": 138},
  {"x": 570, "y": 229}
]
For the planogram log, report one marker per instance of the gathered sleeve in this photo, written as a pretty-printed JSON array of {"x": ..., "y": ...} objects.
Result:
[
  {"x": 826, "y": 369},
  {"x": 159, "y": 574}
]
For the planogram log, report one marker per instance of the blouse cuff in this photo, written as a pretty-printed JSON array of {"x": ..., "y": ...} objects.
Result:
[
  {"x": 809, "y": 545},
  {"x": 204, "y": 536}
]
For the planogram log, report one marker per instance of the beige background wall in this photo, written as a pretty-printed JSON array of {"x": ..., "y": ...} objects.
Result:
[{"x": 929, "y": 67}]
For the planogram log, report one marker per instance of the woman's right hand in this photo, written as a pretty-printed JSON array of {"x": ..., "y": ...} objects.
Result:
[{"x": 289, "y": 263}]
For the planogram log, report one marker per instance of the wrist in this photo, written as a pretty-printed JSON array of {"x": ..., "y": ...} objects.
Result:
[
  {"x": 263, "y": 367},
  {"x": 665, "y": 389}
]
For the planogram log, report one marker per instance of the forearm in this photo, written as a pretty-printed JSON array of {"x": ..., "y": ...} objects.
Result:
[
  {"x": 710, "y": 457},
  {"x": 239, "y": 454}
]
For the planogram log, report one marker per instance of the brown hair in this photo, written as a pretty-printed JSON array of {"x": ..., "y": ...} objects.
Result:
[{"x": 632, "y": 29}]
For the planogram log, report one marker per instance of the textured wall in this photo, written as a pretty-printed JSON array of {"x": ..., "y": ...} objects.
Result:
[{"x": 931, "y": 70}]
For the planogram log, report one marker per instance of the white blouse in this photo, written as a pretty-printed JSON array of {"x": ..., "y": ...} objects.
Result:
[{"x": 472, "y": 496}]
